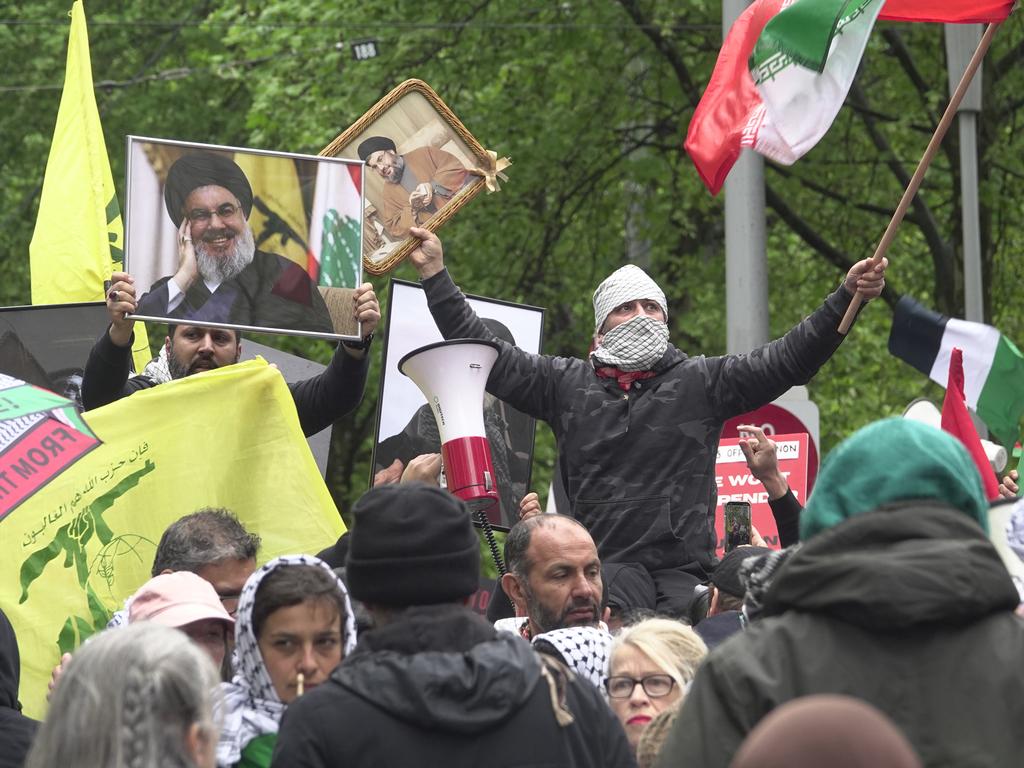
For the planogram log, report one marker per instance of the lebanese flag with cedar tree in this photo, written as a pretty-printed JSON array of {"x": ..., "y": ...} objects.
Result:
[{"x": 785, "y": 69}]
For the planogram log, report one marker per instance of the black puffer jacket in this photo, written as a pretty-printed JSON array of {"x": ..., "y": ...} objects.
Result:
[
  {"x": 16, "y": 730},
  {"x": 910, "y": 609},
  {"x": 439, "y": 687},
  {"x": 639, "y": 466}
]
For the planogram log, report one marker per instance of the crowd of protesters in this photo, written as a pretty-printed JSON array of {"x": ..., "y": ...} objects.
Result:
[{"x": 885, "y": 632}]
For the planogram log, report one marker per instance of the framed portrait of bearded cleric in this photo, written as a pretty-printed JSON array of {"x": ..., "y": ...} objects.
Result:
[
  {"x": 422, "y": 165},
  {"x": 406, "y": 427},
  {"x": 243, "y": 238}
]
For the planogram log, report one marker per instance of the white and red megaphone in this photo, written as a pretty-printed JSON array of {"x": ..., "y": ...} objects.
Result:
[{"x": 452, "y": 376}]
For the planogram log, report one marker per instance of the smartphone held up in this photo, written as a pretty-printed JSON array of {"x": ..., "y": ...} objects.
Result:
[{"x": 737, "y": 524}]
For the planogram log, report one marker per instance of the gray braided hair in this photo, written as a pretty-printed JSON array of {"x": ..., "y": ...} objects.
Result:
[{"x": 129, "y": 700}]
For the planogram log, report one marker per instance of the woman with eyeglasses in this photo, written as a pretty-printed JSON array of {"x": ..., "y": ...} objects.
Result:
[{"x": 652, "y": 663}]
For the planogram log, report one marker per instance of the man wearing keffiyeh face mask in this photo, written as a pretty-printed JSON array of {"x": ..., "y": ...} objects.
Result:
[
  {"x": 631, "y": 334},
  {"x": 638, "y": 423}
]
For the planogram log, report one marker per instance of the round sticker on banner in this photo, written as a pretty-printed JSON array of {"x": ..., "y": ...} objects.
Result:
[{"x": 783, "y": 418}]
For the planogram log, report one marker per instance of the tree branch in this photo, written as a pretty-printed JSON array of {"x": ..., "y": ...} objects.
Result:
[
  {"x": 831, "y": 194},
  {"x": 810, "y": 235},
  {"x": 941, "y": 251},
  {"x": 665, "y": 48},
  {"x": 906, "y": 60}
]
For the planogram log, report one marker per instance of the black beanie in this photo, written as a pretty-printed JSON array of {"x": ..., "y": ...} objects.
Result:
[
  {"x": 375, "y": 144},
  {"x": 726, "y": 575},
  {"x": 202, "y": 170},
  {"x": 412, "y": 544}
]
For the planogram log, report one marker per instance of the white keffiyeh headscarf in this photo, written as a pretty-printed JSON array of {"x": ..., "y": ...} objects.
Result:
[
  {"x": 628, "y": 283},
  {"x": 639, "y": 343},
  {"x": 585, "y": 650},
  {"x": 251, "y": 706}
]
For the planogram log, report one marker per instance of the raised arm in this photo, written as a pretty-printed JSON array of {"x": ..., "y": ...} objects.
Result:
[
  {"x": 106, "y": 372},
  {"x": 523, "y": 380},
  {"x": 326, "y": 397},
  {"x": 740, "y": 383},
  {"x": 763, "y": 462}
]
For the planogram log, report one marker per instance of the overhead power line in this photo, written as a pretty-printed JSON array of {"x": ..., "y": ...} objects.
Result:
[
  {"x": 179, "y": 73},
  {"x": 372, "y": 26}
]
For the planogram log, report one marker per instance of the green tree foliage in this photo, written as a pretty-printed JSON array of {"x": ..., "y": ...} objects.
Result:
[{"x": 591, "y": 101}]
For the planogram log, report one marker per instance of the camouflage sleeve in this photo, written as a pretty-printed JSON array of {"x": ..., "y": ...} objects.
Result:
[
  {"x": 740, "y": 383},
  {"x": 528, "y": 382}
]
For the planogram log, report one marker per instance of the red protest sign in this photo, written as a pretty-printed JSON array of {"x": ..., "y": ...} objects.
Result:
[
  {"x": 736, "y": 483},
  {"x": 42, "y": 451}
]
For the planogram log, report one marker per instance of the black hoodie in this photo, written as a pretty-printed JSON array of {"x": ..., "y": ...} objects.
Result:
[
  {"x": 440, "y": 686},
  {"x": 16, "y": 730}
]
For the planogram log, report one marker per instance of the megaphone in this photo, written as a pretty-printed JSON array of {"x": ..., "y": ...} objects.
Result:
[
  {"x": 452, "y": 376},
  {"x": 926, "y": 412}
]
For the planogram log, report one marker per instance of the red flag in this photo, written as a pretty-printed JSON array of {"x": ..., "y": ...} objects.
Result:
[
  {"x": 956, "y": 420},
  {"x": 951, "y": 11}
]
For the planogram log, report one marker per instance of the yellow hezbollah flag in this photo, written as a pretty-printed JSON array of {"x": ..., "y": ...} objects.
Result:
[
  {"x": 79, "y": 235},
  {"x": 278, "y": 218},
  {"x": 80, "y": 545}
]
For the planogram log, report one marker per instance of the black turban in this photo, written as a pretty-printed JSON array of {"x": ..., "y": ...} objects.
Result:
[
  {"x": 203, "y": 170},
  {"x": 375, "y": 144}
]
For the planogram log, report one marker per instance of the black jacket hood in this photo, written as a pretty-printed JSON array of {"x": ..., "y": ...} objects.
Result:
[
  {"x": 442, "y": 667},
  {"x": 907, "y": 564}
]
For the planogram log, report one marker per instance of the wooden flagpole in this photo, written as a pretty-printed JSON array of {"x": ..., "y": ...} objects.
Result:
[{"x": 922, "y": 167}]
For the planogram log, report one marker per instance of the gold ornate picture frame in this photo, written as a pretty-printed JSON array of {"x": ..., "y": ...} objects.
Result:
[{"x": 423, "y": 165}]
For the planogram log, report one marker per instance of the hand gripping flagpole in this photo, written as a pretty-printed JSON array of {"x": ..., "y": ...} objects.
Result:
[{"x": 922, "y": 167}]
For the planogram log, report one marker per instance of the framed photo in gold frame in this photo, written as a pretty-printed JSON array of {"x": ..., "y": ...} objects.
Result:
[{"x": 422, "y": 166}]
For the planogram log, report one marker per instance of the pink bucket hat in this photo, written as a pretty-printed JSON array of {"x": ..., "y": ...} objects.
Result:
[{"x": 176, "y": 599}]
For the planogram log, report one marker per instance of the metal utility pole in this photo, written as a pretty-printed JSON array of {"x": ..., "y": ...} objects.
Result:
[
  {"x": 961, "y": 41},
  {"x": 746, "y": 269}
]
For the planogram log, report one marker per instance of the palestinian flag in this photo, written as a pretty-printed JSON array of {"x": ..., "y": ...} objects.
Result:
[
  {"x": 957, "y": 421},
  {"x": 785, "y": 69},
  {"x": 993, "y": 366}
]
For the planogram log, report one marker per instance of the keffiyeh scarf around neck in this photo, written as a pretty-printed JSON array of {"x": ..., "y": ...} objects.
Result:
[
  {"x": 585, "y": 650},
  {"x": 757, "y": 574},
  {"x": 251, "y": 706},
  {"x": 157, "y": 369},
  {"x": 635, "y": 345}
]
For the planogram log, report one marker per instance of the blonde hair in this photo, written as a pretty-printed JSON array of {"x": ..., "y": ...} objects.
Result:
[{"x": 673, "y": 647}]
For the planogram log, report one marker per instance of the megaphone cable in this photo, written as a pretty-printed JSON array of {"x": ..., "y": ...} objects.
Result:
[{"x": 483, "y": 522}]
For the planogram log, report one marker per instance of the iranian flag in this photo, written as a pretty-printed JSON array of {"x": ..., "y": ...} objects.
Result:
[
  {"x": 335, "y": 228},
  {"x": 993, "y": 382},
  {"x": 785, "y": 69}
]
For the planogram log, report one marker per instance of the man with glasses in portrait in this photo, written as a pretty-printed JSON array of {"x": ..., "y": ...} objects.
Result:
[{"x": 222, "y": 277}]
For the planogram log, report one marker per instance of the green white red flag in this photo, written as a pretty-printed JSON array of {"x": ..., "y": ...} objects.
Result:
[{"x": 785, "y": 69}]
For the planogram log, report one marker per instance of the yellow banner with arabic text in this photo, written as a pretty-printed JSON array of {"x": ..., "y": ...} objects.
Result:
[{"x": 72, "y": 553}]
